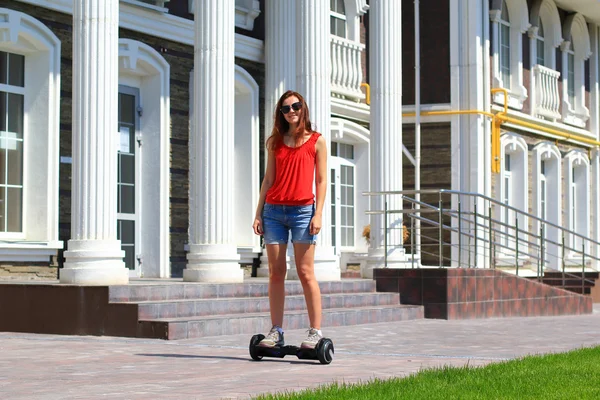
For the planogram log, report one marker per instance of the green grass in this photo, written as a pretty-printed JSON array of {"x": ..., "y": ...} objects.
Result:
[{"x": 572, "y": 375}]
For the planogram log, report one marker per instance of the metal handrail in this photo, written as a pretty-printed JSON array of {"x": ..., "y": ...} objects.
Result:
[
  {"x": 529, "y": 247},
  {"x": 483, "y": 197}
]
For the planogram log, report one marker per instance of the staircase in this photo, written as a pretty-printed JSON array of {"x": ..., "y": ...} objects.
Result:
[
  {"x": 573, "y": 281},
  {"x": 173, "y": 309},
  {"x": 191, "y": 310}
]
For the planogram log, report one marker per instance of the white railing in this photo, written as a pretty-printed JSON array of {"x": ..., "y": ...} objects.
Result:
[
  {"x": 547, "y": 98},
  {"x": 157, "y": 5},
  {"x": 346, "y": 68}
]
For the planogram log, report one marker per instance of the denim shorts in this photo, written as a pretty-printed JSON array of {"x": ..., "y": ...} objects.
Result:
[{"x": 279, "y": 220}]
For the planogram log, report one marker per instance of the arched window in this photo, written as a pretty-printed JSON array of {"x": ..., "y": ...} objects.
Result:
[
  {"x": 546, "y": 191},
  {"x": 540, "y": 46},
  {"x": 509, "y": 21},
  {"x": 545, "y": 36},
  {"x": 577, "y": 185},
  {"x": 349, "y": 177},
  {"x": 545, "y": 31},
  {"x": 504, "y": 45},
  {"x": 512, "y": 188},
  {"x": 29, "y": 138},
  {"x": 576, "y": 50},
  {"x": 144, "y": 130}
]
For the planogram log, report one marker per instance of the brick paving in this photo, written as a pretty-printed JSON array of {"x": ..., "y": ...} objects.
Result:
[{"x": 87, "y": 367}]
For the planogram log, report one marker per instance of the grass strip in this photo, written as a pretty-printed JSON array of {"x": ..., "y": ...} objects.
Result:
[{"x": 571, "y": 375}]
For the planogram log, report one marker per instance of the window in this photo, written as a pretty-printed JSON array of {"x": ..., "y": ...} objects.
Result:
[
  {"x": 510, "y": 19},
  {"x": 342, "y": 194},
  {"x": 539, "y": 42},
  {"x": 126, "y": 176},
  {"x": 143, "y": 186},
  {"x": 571, "y": 76},
  {"x": 577, "y": 196},
  {"x": 347, "y": 205},
  {"x": 333, "y": 207},
  {"x": 507, "y": 199},
  {"x": 30, "y": 60},
  {"x": 338, "y": 18},
  {"x": 543, "y": 191},
  {"x": 547, "y": 199},
  {"x": 505, "y": 46},
  {"x": 12, "y": 94},
  {"x": 576, "y": 49},
  {"x": 573, "y": 208},
  {"x": 512, "y": 190}
]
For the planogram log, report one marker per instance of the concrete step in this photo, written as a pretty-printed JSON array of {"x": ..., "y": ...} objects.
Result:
[
  {"x": 240, "y": 305},
  {"x": 140, "y": 291},
  {"x": 252, "y": 323}
]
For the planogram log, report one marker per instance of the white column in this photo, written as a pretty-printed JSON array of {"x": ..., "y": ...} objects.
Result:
[
  {"x": 313, "y": 81},
  {"x": 280, "y": 55},
  {"x": 213, "y": 253},
  {"x": 94, "y": 255},
  {"x": 471, "y": 134},
  {"x": 595, "y": 130},
  {"x": 385, "y": 64},
  {"x": 280, "y": 65}
]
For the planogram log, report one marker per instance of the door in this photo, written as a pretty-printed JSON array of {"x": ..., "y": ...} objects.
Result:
[
  {"x": 342, "y": 197},
  {"x": 128, "y": 179}
]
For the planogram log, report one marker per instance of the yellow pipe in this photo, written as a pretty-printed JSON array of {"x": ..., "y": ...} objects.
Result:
[
  {"x": 501, "y": 117},
  {"x": 566, "y": 136},
  {"x": 367, "y": 92}
]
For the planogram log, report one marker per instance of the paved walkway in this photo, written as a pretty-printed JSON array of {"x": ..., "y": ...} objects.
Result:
[{"x": 68, "y": 367}]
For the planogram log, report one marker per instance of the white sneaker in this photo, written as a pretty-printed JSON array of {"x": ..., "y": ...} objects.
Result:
[
  {"x": 314, "y": 335},
  {"x": 273, "y": 338}
]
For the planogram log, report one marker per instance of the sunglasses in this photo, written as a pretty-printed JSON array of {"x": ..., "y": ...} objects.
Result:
[{"x": 295, "y": 106}]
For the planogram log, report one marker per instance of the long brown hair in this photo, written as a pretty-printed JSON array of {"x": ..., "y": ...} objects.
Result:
[{"x": 281, "y": 126}]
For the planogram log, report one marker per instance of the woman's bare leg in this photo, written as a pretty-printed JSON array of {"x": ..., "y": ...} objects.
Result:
[
  {"x": 277, "y": 269},
  {"x": 305, "y": 265}
]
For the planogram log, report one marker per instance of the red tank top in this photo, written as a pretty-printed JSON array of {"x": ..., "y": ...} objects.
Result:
[{"x": 294, "y": 174}]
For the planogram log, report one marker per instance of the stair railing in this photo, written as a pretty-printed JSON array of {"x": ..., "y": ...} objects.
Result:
[{"x": 470, "y": 230}]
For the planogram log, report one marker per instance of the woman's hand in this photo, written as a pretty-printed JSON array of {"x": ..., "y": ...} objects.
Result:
[
  {"x": 258, "y": 226},
  {"x": 315, "y": 225}
]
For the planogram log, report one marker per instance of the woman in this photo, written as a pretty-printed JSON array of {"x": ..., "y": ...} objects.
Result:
[{"x": 297, "y": 157}]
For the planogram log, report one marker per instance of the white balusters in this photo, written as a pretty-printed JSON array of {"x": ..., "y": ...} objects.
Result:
[
  {"x": 547, "y": 94},
  {"x": 346, "y": 68}
]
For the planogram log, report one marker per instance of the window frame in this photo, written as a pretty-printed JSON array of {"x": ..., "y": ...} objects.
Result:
[
  {"x": 337, "y": 16},
  {"x": 38, "y": 241},
  {"x": 576, "y": 44},
  {"x": 518, "y": 24},
  {"x": 577, "y": 196},
  {"x": 9, "y": 89},
  {"x": 515, "y": 146}
]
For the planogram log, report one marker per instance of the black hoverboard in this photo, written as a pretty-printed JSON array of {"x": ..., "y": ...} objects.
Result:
[{"x": 323, "y": 351}]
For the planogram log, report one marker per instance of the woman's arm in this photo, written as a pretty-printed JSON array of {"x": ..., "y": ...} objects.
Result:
[
  {"x": 264, "y": 188},
  {"x": 321, "y": 185}
]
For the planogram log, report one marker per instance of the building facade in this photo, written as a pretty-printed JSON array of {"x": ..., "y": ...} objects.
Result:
[{"x": 132, "y": 132}]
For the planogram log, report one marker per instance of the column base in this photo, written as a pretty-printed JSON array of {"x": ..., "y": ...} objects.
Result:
[
  {"x": 94, "y": 262},
  {"x": 213, "y": 263},
  {"x": 376, "y": 259}
]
